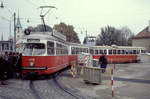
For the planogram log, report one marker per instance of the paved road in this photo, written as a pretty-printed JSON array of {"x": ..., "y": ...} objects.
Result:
[
  {"x": 37, "y": 89},
  {"x": 16, "y": 89}
]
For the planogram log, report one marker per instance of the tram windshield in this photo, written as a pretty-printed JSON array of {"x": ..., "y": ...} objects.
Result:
[{"x": 34, "y": 49}]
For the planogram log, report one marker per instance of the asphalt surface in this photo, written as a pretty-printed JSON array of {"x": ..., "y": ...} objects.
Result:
[{"x": 131, "y": 81}]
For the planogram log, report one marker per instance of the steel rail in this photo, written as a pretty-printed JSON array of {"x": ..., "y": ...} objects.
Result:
[
  {"x": 34, "y": 91},
  {"x": 65, "y": 90}
]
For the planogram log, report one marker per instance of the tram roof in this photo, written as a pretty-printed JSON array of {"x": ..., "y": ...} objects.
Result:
[
  {"x": 119, "y": 47},
  {"x": 77, "y": 44},
  {"x": 39, "y": 35},
  {"x": 43, "y": 36}
]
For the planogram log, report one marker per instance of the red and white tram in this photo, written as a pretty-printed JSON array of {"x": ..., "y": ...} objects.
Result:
[
  {"x": 48, "y": 52},
  {"x": 118, "y": 54},
  {"x": 44, "y": 53},
  {"x": 74, "y": 50}
]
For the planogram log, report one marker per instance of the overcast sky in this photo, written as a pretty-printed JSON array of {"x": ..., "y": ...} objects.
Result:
[{"x": 90, "y": 15}]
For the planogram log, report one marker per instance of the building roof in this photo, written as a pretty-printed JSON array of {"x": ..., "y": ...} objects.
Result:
[{"x": 143, "y": 34}]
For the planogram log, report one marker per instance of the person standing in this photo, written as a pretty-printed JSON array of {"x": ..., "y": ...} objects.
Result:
[
  {"x": 14, "y": 58},
  {"x": 11, "y": 66},
  {"x": 6, "y": 64},
  {"x": 19, "y": 65},
  {"x": 103, "y": 62},
  {"x": 3, "y": 70}
]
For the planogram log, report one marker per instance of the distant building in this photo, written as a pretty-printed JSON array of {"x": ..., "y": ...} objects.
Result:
[
  {"x": 142, "y": 39},
  {"x": 19, "y": 32},
  {"x": 90, "y": 40},
  {"x": 6, "y": 46}
]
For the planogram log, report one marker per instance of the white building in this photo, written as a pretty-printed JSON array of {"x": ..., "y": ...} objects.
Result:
[{"x": 142, "y": 39}]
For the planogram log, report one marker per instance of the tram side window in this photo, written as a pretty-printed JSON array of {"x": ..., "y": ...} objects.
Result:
[
  {"x": 81, "y": 49},
  {"x": 58, "y": 48},
  {"x": 143, "y": 51},
  {"x": 105, "y": 51},
  {"x": 134, "y": 51},
  {"x": 72, "y": 50},
  {"x": 123, "y": 51},
  {"x": 101, "y": 51},
  {"x": 91, "y": 51},
  {"x": 114, "y": 51},
  {"x": 110, "y": 51},
  {"x": 126, "y": 52},
  {"x": 50, "y": 48},
  {"x": 84, "y": 50},
  {"x": 96, "y": 51},
  {"x": 130, "y": 51},
  {"x": 87, "y": 50},
  {"x": 138, "y": 51},
  {"x": 66, "y": 50},
  {"x": 119, "y": 52},
  {"x": 63, "y": 49},
  {"x": 77, "y": 50}
]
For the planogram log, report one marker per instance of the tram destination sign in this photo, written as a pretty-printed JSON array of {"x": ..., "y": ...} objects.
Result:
[{"x": 33, "y": 40}]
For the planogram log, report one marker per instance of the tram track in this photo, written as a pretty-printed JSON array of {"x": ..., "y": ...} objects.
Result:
[
  {"x": 5, "y": 97},
  {"x": 63, "y": 88},
  {"x": 48, "y": 90},
  {"x": 51, "y": 87},
  {"x": 68, "y": 93},
  {"x": 34, "y": 91}
]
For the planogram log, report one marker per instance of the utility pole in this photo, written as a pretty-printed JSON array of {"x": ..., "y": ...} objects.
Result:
[{"x": 14, "y": 32}]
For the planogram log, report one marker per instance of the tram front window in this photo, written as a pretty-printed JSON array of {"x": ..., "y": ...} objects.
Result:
[{"x": 34, "y": 49}]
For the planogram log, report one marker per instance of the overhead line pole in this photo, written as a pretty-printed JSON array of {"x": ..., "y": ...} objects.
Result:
[{"x": 14, "y": 32}]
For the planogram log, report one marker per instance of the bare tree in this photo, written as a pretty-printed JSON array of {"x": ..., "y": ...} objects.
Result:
[
  {"x": 126, "y": 32},
  {"x": 128, "y": 35},
  {"x": 112, "y": 36}
]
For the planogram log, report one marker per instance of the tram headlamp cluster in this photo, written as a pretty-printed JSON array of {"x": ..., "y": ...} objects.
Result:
[{"x": 31, "y": 64}]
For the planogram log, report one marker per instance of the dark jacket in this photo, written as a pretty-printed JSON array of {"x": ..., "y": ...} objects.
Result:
[
  {"x": 19, "y": 63},
  {"x": 3, "y": 69},
  {"x": 11, "y": 67},
  {"x": 1, "y": 65},
  {"x": 103, "y": 61}
]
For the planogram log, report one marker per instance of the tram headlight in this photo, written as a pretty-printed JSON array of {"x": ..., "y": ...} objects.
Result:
[{"x": 31, "y": 64}]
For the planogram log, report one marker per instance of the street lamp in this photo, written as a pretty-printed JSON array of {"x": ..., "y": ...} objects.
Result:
[{"x": 2, "y": 5}]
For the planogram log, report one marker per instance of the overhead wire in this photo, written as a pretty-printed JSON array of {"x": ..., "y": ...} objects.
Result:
[{"x": 36, "y": 6}]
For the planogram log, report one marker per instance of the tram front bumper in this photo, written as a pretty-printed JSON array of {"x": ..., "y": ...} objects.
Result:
[{"x": 34, "y": 68}]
